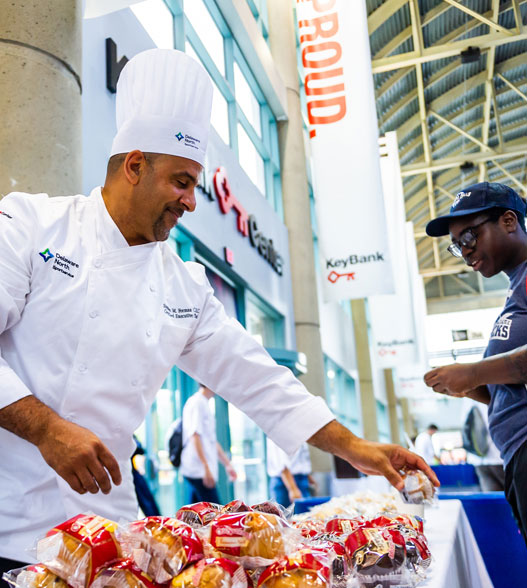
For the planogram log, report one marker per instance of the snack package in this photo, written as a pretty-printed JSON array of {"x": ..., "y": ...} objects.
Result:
[
  {"x": 342, "y": 526},
  {"x": 77, "y": 548},
  {"x": 35, "y": 576},
  {"x": 198, "y": 514},
  {"x": 334, "y": 545},
  {"x": 417, "y": 488},
  {"x": 213, "y": 573},
  {"x": 123, "y": 574},
  {"x": 161, "y": 546},
  {"x": 310, "y": 527},
  {"x": 305, "y": 568},
  {"x": 235, "y": 506},
  {"x": 272, "y": 507},
  {"x": 378, "y": 557},
  {"x": 255, "y": 538}
]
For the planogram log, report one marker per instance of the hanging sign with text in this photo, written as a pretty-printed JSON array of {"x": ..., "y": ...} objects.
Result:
[{"x": 343, "y": 134}]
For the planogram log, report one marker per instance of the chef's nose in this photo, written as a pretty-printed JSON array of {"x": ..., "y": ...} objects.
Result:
[{"x": 188, "y": 199}]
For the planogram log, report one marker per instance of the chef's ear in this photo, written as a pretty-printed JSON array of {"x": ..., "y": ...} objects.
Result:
[{"x": 134, "y": 166}]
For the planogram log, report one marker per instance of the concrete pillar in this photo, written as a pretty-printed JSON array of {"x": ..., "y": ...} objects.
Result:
[
  {"x": 297, "y": 206},
  {"x": 408, "y": 421},
  {"x": 40, "y": 101},
  {"x": 392, "y": 405},
  {"x": 362, "y": 345}
]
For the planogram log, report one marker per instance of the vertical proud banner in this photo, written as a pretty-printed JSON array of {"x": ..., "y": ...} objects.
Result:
[{"x": 343, "y": 132}]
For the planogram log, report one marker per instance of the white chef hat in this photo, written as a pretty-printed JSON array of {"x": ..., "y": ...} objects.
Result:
[{"x": 164, "y": 101}]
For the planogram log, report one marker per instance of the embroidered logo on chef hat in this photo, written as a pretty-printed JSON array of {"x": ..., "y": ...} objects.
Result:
[{"x": 160, "y": 90}]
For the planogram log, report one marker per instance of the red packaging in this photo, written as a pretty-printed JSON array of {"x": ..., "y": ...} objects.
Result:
[
  {"x": 161, "y": 546},
  {"x": 272, "y": 508},
  {"x": 344, "y": 526},
  {"x": 250, "y": 534},
  {"x": 310, "y": 527},
  {"x": 35, "y": 576},
  {"x": 305, "y": 568},
  {"x": 235, "y": 506},
  {"x": 216, "y": 572},
  {"x": 123, "y": 574},
  {"x": 334, "y": 544},
  {"x": 76, "y": 549},
  {"x": 198, "y": 514}
]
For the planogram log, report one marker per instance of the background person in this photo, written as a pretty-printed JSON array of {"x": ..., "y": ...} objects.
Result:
[
  {"x": 424, "y": 445},
  {"x": 487, "y": 226},
  {"x": 201, "y": 450}
]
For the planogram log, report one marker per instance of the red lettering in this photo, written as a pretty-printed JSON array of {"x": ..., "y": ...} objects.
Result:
[
  {"x": 321, "y": 47},
  {"x": 324, "y": 119},
  {"x": 331, "y": 18},
  {"x": 323, "y": 6},
  {"x": 312, "y": 90},
  {"x": 227, "y": 200}
]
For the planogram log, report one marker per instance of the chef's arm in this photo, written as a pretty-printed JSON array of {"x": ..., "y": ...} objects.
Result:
[
  {"x": 208, "y": 478},
  {"x": 290, "y": 483},
  {"x": 75, "y": 453},
  {"x": 369, "y": 457}
]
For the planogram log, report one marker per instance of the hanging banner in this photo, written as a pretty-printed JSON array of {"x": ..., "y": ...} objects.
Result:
[
  {"x": 343, "y": 139},
  {"x": 393, "y": 318},
  {"x": 95, "y": 8}
]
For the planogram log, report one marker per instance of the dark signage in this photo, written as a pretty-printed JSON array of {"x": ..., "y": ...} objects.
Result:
[{"x": 113, "y": 67}]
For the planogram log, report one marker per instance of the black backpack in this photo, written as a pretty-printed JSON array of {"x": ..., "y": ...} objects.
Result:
[
  {"x": 175, "y": 443},
  {"x": 475, "y": 433}
]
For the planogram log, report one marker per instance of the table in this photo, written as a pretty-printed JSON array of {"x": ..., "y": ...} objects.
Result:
[{"x": 457, "y": 561}]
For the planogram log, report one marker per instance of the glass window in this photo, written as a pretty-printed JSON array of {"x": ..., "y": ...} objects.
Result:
[
  {"x": 264, "y": 324},
  {"x": 247, "y": 100},
  {"x": 250, "y": 160},
  {"x": 341, "y": 396},
  {"x": 207, "y": 31},
  {"x": 156, "y": 18}
]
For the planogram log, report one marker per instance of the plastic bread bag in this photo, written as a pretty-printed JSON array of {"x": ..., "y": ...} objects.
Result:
[
  {"x": 77, "y": 548},
  {"x": 235, "y": 506},
  {"x": 378, "y": 558},
  {"x": 334, "y": 544},
  {"x": 34, "y": 576},
  {"x": 253, "y": 538},
  {"x": 344, "y": 526},
  {"x": 123, "y": 574},
  {"x": 310, "y": 527},
  {"x": 213, "y": 573},
  {"x": 161, "y": 546},
  {"x": 272, "y": 507},
  {"x": 417, "y": 488},
  {"x": 305, "y": 568},
  {"x": 198, "y": 514}
]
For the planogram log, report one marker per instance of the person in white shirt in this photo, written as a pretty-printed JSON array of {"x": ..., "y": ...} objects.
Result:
[
  {"x": 201, "y": 450},
  {"x": 424, "y": 446},
  {"x": 96, "y": 308},
  {"x": 289, "y": 477}
]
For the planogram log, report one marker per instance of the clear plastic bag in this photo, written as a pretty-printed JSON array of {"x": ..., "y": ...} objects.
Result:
[
  {"x": 161, "y": 546},
  {"x": 417, "y": 488},
  {"x": 34, "y": 576},
  {"x": 305, "y": 568},
  {"x": 198, "y": 514},
  {"x": 122, "y": 574},
  {"x": 77, "y": 548},
  {"x": 213, "y": 573}
]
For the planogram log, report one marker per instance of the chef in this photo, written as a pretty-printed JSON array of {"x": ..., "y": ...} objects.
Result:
[{"x": 96, "y": 308}]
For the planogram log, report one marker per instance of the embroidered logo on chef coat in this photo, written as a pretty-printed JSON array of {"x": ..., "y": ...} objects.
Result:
[
  {"x": 180, "y": 136},
  {"x": 61, "y": 263},
  {"x": 502, "y": 327},
  {"x": 180, "y": 312}
]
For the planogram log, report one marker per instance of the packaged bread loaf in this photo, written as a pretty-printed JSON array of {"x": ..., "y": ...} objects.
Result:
[
  {"x": 123, "y": 574},
  {"x": 417, "y": 488},
  {"x": 198, "y": 513},
  {"x": 161, "y": 546},
  {"x": 305, "y": 568},
  {"x": 212, "y": 573},
  {"x": 76, "y": 549},
  {"x": 34, "y": 576}
]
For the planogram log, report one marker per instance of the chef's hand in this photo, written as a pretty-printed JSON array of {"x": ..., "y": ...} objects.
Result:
[
  {"x": 79, "y": 456},
  {"x": 370, "y": 457},
  {"x": 454, "y": 380}
]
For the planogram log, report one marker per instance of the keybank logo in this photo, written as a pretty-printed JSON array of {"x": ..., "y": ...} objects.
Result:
[
  {"x": 46, "y": 254},
  {"x": 179, "y": 136}
]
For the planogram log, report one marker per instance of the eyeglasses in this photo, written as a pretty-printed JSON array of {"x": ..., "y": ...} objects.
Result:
[{"x": 467, "y": 239}]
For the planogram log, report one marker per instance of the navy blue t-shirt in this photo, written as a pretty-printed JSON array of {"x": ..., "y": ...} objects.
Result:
[{"x": 508, "y": 404}]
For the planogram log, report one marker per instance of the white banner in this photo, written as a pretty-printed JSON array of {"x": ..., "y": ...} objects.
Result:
[
  {"x": 95, "y": 8},
  {"x": 343, "y": 131},
  {"x": 392, "y": 316}
]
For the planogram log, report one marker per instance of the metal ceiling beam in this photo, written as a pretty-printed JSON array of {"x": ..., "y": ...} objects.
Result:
[
  {"x": 447, "y": 162},
  {"x": 461, "y": 131},
  {"x": 443, "y": 51},
  {"x": 496, "y": 115},
  {"x": 383, "y": 13},
  {"x": 444, "y": 271},
  {"x": 512, "y": 86},
  {"x": 517, "y": 15},
  {"x": 510, "y": 176},
  {"x": 479, "y": 17}
]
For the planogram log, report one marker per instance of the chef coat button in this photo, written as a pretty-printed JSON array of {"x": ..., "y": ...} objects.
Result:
[
  {"x": 97, "y": 263},
  {"x": 152, "y": 288},
  {"x": 94, "y": 313},
  {"x": 82, "y": 367},
  {"x": 149, "y": 332}
]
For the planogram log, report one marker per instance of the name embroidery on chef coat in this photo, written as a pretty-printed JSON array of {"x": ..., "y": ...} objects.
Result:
[
  {"x": 181, "y": 313},
  {"x": 60, "y": 262}
]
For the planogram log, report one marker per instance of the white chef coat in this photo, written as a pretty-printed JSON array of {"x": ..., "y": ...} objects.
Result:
[
  {"x": 424, "y": 447},
  {"x": 278, "y": 460},
  {"x": 91, "y": 327},
  {"x": 197, "y": 418}
]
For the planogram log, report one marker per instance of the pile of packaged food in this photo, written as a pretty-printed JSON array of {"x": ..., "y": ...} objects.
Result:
[{"x": 233, "y": 546}]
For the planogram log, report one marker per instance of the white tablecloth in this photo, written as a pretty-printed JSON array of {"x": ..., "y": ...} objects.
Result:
[{"x": 457, "y": 560}]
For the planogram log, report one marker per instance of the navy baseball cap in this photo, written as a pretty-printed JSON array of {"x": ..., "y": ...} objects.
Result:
[{"x": 477, "y": 198}]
